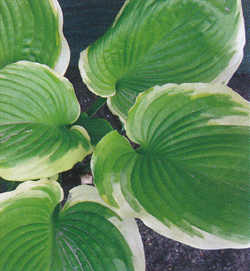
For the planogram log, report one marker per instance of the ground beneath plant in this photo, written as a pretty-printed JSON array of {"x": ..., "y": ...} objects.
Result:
[{"x": 163, "y": 254}]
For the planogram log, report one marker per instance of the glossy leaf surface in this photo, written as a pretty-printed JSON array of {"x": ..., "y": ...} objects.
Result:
[
  {"x": 189, "y": 180},
  {"x": 85, "y": 235},
  {"x": 154, "y": 42},
  {"x": 32, "y": 30},
  {"x": 36, "y": 105}
]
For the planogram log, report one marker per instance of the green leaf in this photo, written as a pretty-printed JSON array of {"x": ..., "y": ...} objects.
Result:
[
  {"x": 189, "y": 180},
  {"x": 85, "y": 235},
  {"x": 36, "y": 105},
  {"x": 154, "y": 42},
  {"x": 32, "y": 30},
  {"x": 97, "y": 128}
]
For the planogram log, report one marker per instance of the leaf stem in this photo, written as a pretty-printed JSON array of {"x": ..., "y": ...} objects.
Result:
[{"x": 96, "y": 106}]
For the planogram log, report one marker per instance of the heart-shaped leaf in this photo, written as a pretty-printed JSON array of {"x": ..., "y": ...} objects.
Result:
[
  {"x": 189, "y": 180},
  {"x": 154, "y": 42},
  {"x": 32, "y": 30},
  {"x": 36, "y": 105},
  {"x": 85, "y": 235}
]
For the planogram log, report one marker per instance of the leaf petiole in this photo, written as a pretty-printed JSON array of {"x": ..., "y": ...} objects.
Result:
[{"x": 96, "y": 106}]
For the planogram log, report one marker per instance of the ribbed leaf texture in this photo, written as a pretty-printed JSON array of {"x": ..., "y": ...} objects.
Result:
[
  {"x": 154, "y": 42},
  {"x": 36, "y": 105},
  {"x": 189, "y": 180},
  {"x": 85, "y": 235},
  {"x": 32, "y": 30}
]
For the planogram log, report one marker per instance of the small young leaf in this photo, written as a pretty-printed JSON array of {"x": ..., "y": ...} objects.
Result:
[
  {"x": 36, "y": 105},
  {"x": 32, "y": 30},
  {"x": 85, "y": 235},
  {"x": 97, "y": 128},
  {"x": 154, "y": 42},
  {"x": 189, "y": 180}
]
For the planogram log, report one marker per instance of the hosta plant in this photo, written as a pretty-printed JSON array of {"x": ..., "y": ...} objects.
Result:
[{"x": 163, "y": 67}]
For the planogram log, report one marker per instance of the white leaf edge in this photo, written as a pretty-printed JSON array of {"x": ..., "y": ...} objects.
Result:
[
  {"x": 64, "y": 58},
  {"x": 222, "y": 78},
  {"x": 31, "y": 169},
  {"x": 31, "y": 189},
  {"x": 82, "y": 64},
  {"x": 127, "y": 227},
  {"x": 198, "y": 89},
  {"x": 208, "y": 241},
  {"x": 41, "y": 167},
  {"x": 235, "y": 61}
]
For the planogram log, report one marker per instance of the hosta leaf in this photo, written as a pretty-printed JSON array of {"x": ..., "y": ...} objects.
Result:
[
  {"x": 85, "y": 235},
  {"x": 114, "y": 243},
  {"x": 32, "y": 30},
  {"x": 154, "y": 42},
  {"x": 36, "y": 104},
  {"x": 25, "y": 242},
  {"x": 189, "y": 180}
]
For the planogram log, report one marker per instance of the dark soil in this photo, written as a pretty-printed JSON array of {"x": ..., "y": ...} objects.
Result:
[{"x": 163, "y": 254}]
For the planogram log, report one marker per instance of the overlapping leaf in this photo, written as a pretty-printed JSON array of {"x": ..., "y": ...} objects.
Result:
[
  {"x": 36, "y": 105},
  {"x": 32, "y": 30},
  {"x": 154, "y": 42},
  {"x": 189, "y": 180},
  {"x": 85, "y": 235}
]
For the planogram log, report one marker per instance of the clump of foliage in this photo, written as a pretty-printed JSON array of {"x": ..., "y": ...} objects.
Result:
[{"x": 163, "y": 67}]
